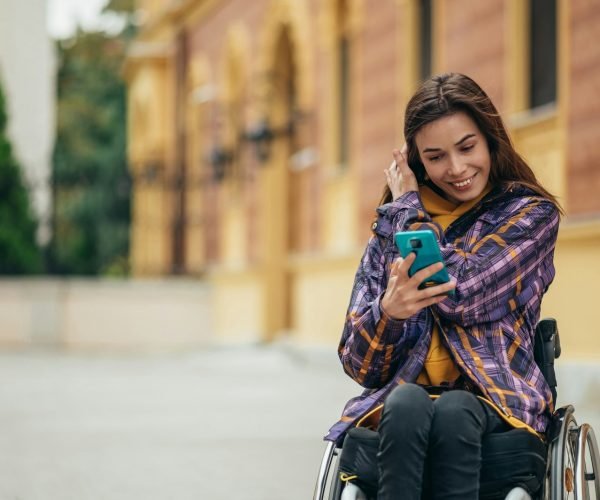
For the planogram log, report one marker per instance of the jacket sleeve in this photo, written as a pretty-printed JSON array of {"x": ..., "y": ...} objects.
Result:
[
  {"x": 504, "y": 269},
  {"x": 371, "y": 340},
  {"x": 500, "y": 271}
]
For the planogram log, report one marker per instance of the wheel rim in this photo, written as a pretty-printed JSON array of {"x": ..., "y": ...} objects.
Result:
[
  {"x": 589, "y": 455},
  {"x": 569, "y": 463},
  {"x": 563, "y": 455}
]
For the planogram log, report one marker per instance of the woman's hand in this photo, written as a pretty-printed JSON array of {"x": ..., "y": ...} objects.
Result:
[
  {"x": 400, "y": 178},
  {"x": 403, "y": 298}
]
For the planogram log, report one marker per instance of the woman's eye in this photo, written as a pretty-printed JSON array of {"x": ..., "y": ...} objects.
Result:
[
  {"x": 435, "y": 158},
  {"x": 468, "y": 148}
]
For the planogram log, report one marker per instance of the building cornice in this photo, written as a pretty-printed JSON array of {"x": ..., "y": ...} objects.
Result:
[
  {"x": 175, "y": 14},
  {"x": 141, "y": 52}
]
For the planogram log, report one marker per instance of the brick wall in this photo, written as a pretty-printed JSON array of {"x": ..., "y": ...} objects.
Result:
[
  {"x": 473, "y": 42},
  {"x": 473, "y": 39},
  {"x": 583, "y": 155},
  {"x": 208, "y": 38},
  {"x": 381, "y": 131}
]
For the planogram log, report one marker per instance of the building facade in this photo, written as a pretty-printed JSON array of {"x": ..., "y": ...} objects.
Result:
[
  {"x": 27, "y": 73},
  {"x": 259, "y": 132}
]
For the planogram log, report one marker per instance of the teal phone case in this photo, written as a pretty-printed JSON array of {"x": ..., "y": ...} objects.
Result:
[{"x": 425, "y": 246}]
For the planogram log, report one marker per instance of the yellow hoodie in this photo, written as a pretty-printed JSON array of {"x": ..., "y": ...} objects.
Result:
[{"x": 439, "y": 367}]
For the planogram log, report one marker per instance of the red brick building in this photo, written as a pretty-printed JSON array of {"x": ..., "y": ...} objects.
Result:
[{"x": 259, "y": 131}]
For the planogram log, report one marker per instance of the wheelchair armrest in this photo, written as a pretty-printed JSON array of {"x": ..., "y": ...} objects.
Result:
[{"x": 559, "y": 417}]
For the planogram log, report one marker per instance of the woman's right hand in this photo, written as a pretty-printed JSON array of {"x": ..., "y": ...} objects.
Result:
[
  {"x": 400, "y": 178},
  {"x": 403, "y": 298}
]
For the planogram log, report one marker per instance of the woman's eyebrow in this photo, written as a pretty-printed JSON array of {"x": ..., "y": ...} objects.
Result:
[
  {"x": 434, "y": 150},
  {"x": 468, "y": 136}
]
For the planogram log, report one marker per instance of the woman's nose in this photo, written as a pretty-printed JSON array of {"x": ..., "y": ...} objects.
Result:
[{"x": 456, "y": 167}]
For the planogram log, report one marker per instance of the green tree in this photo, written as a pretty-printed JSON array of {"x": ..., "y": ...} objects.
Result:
[
  {"x": 19, "y": 253},
  {"x": 124, "y": 7},
  {"x": 90, "y": 174}
]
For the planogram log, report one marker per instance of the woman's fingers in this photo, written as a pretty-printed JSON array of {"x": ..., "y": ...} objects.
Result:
[
  {"x": 389, "y": 179},
  {"x": 393, "y": 178},
  {"x": 403, "y": 297},
  {"x": 427, "y": 272},
  {"x": 431, "y": 301},
  {"x": 438, "y": 290},
  {"x": 408, "y": 176},
  {"x": 424, "y": 274},
  {"x": 399, "y": 269},
  {"x": 399, "y": 177},
  {"x": 404, "y": 266},
  {"x": 399, "y": 160}
]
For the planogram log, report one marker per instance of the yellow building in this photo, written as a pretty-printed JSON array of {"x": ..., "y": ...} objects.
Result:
[{"x": 259, "y": 131}]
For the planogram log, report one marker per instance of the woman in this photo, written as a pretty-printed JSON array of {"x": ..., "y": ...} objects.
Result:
[{"x": 450, "y": 368}]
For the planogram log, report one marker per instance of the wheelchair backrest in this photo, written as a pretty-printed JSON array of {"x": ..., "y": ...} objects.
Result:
[{"x": 546, "y": 349}]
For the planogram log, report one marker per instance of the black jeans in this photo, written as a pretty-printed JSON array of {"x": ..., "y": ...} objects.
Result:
[{"x": 431, "y": 449}]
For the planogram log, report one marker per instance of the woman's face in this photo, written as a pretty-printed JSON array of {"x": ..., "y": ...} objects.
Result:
[{"x": 455, "y": 155}]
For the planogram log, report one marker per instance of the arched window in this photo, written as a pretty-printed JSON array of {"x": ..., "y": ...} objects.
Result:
[
  {"x": 179, "y": 179},
  {"x": 425, "y": 39},
  {"x": 542, "y": 52},
  {"x": 233, "y": 106},
  {"x": 343, "y": 83}
]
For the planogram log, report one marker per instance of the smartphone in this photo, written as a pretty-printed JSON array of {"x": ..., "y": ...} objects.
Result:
[{"x": 425, "y": 246}]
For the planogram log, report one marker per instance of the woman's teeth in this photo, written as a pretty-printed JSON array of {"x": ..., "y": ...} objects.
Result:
[{"x": 463, "y": 183}]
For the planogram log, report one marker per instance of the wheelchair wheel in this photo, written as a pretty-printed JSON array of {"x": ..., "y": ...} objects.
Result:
[
  {"x": 329, "y": 486},
  {"x": 335, "y": 485},
  {"x": 562, "y": 459},
  {"x": 573, "y": 461},
  {"x": 587, "y": 477}
]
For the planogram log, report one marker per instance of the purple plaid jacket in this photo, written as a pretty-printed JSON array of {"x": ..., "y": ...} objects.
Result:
[{"x": 501, "y": 255}]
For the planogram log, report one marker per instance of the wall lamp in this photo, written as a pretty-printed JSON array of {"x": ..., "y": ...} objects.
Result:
[
  {"x": 219, "y": 158},
  {"x": 262, "y": 135}
]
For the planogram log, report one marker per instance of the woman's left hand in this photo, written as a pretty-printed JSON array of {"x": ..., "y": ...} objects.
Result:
[
  {"x": 403, "y": 296},
  {"x": 400, "y": 178}
]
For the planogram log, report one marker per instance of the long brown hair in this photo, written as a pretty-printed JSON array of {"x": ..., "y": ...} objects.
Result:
[{"x": 450, "y": 93}]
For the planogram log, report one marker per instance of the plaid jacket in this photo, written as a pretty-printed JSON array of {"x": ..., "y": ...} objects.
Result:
[{"x": 501, "y": 255}]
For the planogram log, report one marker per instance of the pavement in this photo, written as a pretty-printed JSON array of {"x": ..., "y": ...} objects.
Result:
[{"x": 222, "y": 423}]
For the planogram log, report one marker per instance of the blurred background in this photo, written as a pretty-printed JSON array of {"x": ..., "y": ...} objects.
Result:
[{"x": 186, "y": 188}]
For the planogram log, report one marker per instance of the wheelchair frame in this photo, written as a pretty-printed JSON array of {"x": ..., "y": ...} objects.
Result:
[{"x": 572, "y": 466}]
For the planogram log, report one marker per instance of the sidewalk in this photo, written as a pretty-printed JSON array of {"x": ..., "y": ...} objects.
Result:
[
  {"x": 225, "y": 423},
  {"x": 230, "y": 423}
]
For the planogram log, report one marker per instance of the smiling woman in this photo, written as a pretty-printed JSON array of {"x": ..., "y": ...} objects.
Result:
[
  {"x": 436, "y": 383},
  {"x": 456, "y": 156}
]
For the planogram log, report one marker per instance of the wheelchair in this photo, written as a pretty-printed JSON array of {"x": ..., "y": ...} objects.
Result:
[{"x": 572, "y": 458}]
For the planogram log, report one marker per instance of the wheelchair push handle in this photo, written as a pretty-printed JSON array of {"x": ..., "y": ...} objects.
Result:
[
  {"x": 547, "y": 331},
  {"x": 546, "y": 349}
]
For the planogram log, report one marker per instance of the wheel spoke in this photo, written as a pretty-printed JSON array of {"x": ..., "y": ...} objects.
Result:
[{"x": 569, "y": 461}]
